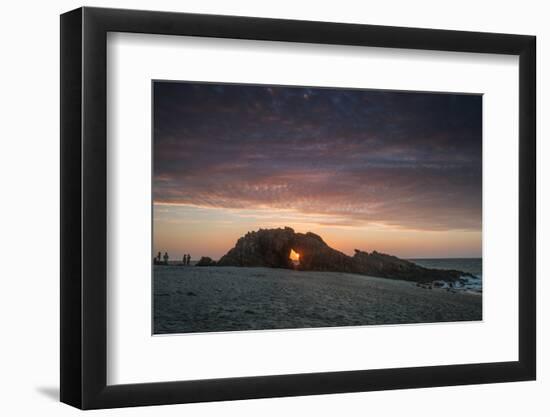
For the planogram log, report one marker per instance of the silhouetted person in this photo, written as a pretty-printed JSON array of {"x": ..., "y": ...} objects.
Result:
[
  {"x": 184, "y": 260},
  {"x": 165, "y": 257},
  {"x": 188, "y": 259}
]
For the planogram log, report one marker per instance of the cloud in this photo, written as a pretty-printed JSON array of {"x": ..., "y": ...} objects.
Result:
[{"x": 354, "y": 157}]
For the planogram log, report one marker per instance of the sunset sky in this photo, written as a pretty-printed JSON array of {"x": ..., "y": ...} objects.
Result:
[{"x": 378, "y": 170}]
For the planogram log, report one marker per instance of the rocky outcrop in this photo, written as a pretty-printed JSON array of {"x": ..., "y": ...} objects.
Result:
[
  {"x": 271, "y": 248},
  {"x": 266, "y": 247},
  {"x": 316, "y": 255},
  {"x": 205, "y": 261},
  {"x": 388, "y": 266}
]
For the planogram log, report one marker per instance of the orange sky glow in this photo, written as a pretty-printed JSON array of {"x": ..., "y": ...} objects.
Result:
[{"x": 212, "y": 232}]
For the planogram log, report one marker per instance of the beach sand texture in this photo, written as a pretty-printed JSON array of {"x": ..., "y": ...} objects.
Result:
[{"x": 214, "y": 299}]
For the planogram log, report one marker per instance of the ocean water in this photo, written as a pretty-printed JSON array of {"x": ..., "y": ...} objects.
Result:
[{"x": 472, "y": 265}]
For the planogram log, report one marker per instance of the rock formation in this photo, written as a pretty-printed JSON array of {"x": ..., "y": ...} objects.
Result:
[
  {"x": 266, "y": 247},
  {"x": 205, "y": 261},
  {"x": 271, "y": 248},
  {"x": 388, "y": 266}
]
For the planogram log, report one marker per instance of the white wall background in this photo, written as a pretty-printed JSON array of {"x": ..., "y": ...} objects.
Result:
[{"x": 29, "y": 226}]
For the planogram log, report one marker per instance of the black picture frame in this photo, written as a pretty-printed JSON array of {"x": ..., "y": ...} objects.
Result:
[{"x": 84, "y": 207}]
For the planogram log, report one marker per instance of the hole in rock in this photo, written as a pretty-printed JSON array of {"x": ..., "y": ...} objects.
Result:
[{"x": 294, "y": 257}]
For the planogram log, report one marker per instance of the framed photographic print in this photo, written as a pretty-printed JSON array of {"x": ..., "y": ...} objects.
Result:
[{"x": 258, "y": 208}]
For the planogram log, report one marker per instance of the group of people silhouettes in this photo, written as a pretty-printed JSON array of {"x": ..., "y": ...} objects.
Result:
[{"x": 163, "y": 259}]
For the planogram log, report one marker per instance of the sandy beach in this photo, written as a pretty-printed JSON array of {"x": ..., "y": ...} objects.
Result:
[{"x": 209, "y": 299}]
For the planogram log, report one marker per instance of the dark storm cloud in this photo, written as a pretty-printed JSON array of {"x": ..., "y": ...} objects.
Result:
[{"x": 354, "y": 156}]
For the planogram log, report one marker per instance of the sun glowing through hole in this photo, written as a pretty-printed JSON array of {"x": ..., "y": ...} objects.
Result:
[{"x": 294, "y": 257}]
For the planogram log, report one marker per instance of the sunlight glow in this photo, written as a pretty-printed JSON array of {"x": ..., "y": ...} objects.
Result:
[{"x": 294, "y": 256}]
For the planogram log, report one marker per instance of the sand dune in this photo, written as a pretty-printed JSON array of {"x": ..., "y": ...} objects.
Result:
[{"x": 207, "y": 299}]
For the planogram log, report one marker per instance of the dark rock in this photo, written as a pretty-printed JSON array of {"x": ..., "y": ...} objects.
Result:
[
  {"x": 271, "y": 248},
  {"x": 388, "y": 266},
  {"x": 266, "y": 247},
  {"x": 205, "y": 261},
  {"x": 316, "y": 255},
  {"x": 191, "y": 294}
]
